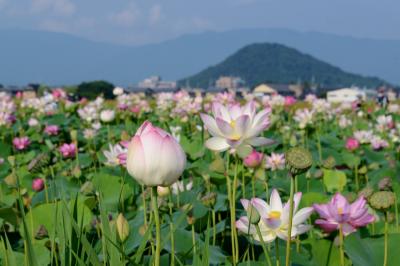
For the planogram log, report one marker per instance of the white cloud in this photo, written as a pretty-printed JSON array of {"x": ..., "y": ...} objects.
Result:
[
  {"x": 155, "y": 14},
  {"x": 127, "y": 17},
  {"x": 58, "y": 7}
]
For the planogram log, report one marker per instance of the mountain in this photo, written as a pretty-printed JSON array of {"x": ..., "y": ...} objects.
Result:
[
  {"x": 59, "y": 58},
  {"x": 276, "y": 63}
]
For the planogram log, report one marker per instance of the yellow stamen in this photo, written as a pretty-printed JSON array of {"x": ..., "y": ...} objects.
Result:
[
  {"x": 340, "y": 210},
  {"x": 275, "y": 214}
]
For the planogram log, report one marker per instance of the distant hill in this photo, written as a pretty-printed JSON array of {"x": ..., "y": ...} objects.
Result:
[
  {"x": 58, "y": 59},
  {"x": 276, "y": 63}
]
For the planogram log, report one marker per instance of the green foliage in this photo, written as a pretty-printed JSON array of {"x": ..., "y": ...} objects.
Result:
[
  {"x": 93, "y": 89},
  {"x": 276, "y": 63}
]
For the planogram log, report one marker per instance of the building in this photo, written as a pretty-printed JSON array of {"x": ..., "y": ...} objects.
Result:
[
  {"x": 282, "y": 89},
  {"x": 229, "y": 82},
  {"x": 156, "y": 83},
  {"x": 346, "y": 95}
]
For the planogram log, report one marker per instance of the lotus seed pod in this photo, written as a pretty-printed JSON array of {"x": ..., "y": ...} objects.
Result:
[
  {"x": 209, "y": 199},
  {"x": 382, "y": 200},
  {"x": 122, "y": 227},
  {"x": 363, "y": 170},
  {"x": 163, "y": 191},
  {"x": 366, "y": 192},
  {"x": 329, "y": 162},
  {"x": 253, "y": 215},
  {"x": 385, "y": 183},
  {"x": 318, "y": 174},
  {"x": 298, "y": 160}
]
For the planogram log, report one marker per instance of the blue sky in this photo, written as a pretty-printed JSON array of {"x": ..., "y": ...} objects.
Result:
[{"x": 144, "y": 21}]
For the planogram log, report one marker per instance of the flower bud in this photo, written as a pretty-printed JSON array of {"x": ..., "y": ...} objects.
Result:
[
  {"x": 254, "y": 159},
  {"x": 37, "y": 184},
  {"x": 122, "y": 227},
  {"x": 253, "y": 215},
  {"x": 163, "y": 191}
]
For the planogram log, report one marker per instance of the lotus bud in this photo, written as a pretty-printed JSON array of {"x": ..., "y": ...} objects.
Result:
[
  {"x": 122, "y": 227},
  {"x": 154, "y": 157},
  {"x": 382, "y": 200},
  {"x": 366, "y": 192},
  {"x": 253, "y": 215},
  {"x": 254, "y": 159},
  {"x": 298, "y": 160},
  {"x": 38, "y": 184},
  {"x": 163, "y": 191}
]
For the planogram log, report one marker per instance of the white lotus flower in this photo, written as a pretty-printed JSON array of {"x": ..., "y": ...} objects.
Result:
[
  {"x": 236, "y": 127},
  {"x": 274, "y": 220}
]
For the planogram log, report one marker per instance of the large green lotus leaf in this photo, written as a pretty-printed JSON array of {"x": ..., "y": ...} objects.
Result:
[
  {"x": 51, "y": 215},
  {"x": 369, "y": 251},
  {"x": 323, "y": 252},
  {"x": 309, "y": 198},
  {"x": 334, "y": 180},
  {"x": 350, "y": 159},
  {"x": 374, "y": 156},
  {"x": 5, "y": 150},
  {"x": 112, "y": 190}
]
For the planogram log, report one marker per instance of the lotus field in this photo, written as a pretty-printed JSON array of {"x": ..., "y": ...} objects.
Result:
[{"x": 192, "y": 179}]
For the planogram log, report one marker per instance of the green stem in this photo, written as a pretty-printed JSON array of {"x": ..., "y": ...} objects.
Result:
[
  {"x": 263, "y": 245},
  {"x": 144, "y": 206},
  {"x": 356, "y": 177},
  {"x": 278, "y": 263},
  {"x": 171, "y": 225},
  {"x": 386, "y": 239},
  {"x": 341, "y": 245},
  {"x": 194, "y": 243},
  {"x": 157, "y": 223},
  {"x": 214, "y": 227},
  {"x": 235, "y": 238},
  {"x": 289, "y": 237}
]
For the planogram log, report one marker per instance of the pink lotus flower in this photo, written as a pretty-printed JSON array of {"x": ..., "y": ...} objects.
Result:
[
  {"x": 68, "y": 150},
  {"x": 254, "y": 159},
  {"x": 51, "y": 130},
  {"x": 236, "y": 127},
  {"x": 58, "y": 93},
  {"x": 338, "y": 212},
  {"x": 154, "y": 157},
  {"x": 275, "y": 216},
  {"x": 275, "y": 161},
  {"x": 37, "y": 184},
  {"x": 289, "y": 100},
  {"x": 352, "y": 144},
  {"x": 21, "y": 143}
]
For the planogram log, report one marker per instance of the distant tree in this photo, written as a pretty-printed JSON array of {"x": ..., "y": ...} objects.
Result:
[
  {"x": 93, "y": 89},
  {"x": 1, "y": 86}
]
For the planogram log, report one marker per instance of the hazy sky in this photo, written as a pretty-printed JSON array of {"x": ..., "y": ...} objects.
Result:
[{"x": 143, "y": 21}]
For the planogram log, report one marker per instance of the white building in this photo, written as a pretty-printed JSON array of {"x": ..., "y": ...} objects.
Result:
[
  {"x": 346, "y": 95},
  {"x": 230, "y": 83},
  {"x": 155, "y": 82}
]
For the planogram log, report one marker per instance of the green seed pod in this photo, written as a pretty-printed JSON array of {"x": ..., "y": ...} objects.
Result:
[
  {"x": 253, "y": 215},
  {"x": 298, "y": 160},
  {"x": 209, "y": 199},
  {"x": 329, "y": 163},
  {"x": 366, "y": 192},
  {"x": 382, "y": 200}
]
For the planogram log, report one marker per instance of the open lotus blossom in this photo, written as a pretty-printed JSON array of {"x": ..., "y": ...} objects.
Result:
[
  {"x": 51, "y": 130},
  {"x": 236, "y": 127},
  {"x": 21, "y": 143},
  {"x": 274, "y": 220},
  {"x": 113, "y": 155},
  {"x": 338, "y": 212},
  {"x": 154, "y": 157},
  {"x": 275, "y": 161},
  {"x": 68, "y": 150}
]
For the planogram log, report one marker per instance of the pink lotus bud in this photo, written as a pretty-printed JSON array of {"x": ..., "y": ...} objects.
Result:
[
  {"x": 21, "y": 143},
  {"x": 51, "y": 130},
  {"x": 254, "y": 159},
  {"x": 135, "y": 109},
  {"x": 289, "y": 100},
  {"x": 68, "y": 150},
  {"x": 155, "y": 158},
  {"x": 352, "y": 144},
  {"x": 37, "y": 184}
]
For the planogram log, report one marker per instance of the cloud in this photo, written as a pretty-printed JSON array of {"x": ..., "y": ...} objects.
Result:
[
  {"x": 155, "y": 14},
  {"x": 58, "y": 7},
  {"x": 126, "y": 17}
]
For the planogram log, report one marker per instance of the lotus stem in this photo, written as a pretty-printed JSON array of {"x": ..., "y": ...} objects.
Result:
[
  {"x": 278, "y": 263},
  {"x": 263, "y": 245},
  {"x": 171, "y": 225},
  {"x": 341, "y": 245},
  {"x": 289, "y": 237},
  {"x": 157, "y": 223},
  {"x": 385, "y": 256}
]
